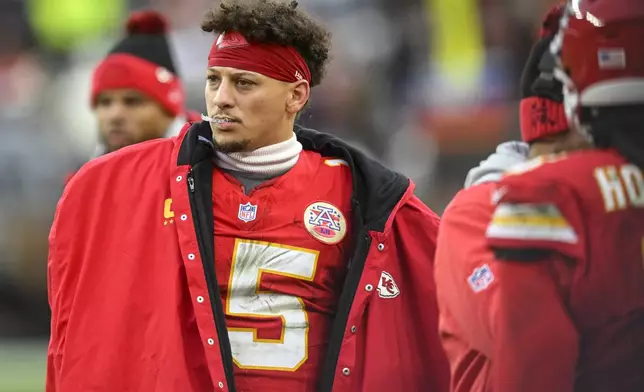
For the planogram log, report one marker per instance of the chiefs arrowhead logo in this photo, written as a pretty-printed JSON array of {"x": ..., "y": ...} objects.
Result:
[{"x": 387, "y": 288}]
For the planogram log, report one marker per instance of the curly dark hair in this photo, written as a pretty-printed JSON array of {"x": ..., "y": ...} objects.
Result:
[{"x": 274, "y": 22}]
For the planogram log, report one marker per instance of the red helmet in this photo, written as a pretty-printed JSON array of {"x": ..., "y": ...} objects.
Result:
[{"x": 599, "y": 52}]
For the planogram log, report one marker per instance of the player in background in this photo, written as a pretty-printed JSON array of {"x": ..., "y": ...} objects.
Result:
[
  {"x": 136, "y": 93},
  {"x": 247, "y": 254},
  {"x": 465, "y": 325},
  {"x": 560, "y": 305}
]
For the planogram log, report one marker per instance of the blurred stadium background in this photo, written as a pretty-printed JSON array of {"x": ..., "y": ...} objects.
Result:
[{"x": 427, "y": 86}]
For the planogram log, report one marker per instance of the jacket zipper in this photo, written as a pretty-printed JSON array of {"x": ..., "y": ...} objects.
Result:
[
  {"x": 201, "y": 230},
  {"x": 344, "y": 308}
]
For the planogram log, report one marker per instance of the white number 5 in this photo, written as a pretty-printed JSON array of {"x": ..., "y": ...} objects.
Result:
[{"x": 250, "y": 260}]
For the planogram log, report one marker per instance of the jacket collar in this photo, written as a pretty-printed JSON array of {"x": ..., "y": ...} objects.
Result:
[{"x": 376, "y": 189}]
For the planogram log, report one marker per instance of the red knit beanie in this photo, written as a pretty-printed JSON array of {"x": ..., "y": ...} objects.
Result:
[{"x": 142, "y": 61}]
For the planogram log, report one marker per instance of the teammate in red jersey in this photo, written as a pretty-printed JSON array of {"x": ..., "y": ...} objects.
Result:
[
  {"x": 247, "y": 254},
  {"x": 558, "y": 305},
  {"x": 463, "y": 259}
]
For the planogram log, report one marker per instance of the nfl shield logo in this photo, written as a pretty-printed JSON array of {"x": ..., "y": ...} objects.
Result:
[
  {"x": 247, "y": 212},
  {"x": 481, "y": 278}
]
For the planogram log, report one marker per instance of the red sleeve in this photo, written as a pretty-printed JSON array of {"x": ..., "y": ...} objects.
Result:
[
  {"x": 416, "y": 228},
  {"x": 535, "y": 344},
  {"x": 461, "y": 251},
  {"x": 57, "y": 326},
  {"x": 60, "y": 283},
  {"x": 538, "y": 235}
]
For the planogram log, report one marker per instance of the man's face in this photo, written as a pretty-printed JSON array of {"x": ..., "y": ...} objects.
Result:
[
  {"x": 252, "y": 110},
  {"x": 127, "y": 117}
]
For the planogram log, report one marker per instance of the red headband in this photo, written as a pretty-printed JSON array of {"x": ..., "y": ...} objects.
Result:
[
  {"x": 278, "y": 62},
  {"x": 541, "y": 117}
]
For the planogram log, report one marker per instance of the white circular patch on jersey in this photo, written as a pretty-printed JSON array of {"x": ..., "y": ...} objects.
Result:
[{"x": 325, "y": 222}]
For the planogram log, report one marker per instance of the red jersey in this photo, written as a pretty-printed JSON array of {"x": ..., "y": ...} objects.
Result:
[
  {"x": 559, "y": 304},
  {"x": 280, "y": 261}
]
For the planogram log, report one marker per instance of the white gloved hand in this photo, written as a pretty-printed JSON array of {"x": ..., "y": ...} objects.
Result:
[{"x": 491, "y": 169}]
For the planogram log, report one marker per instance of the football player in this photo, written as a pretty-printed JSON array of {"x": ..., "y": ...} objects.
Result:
[
  {"x": 552, "y": 298},
  {"x": 136, "y": 94}
]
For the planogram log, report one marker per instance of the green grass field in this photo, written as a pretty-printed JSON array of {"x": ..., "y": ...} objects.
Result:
[{"x": 22, "y": 366}]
